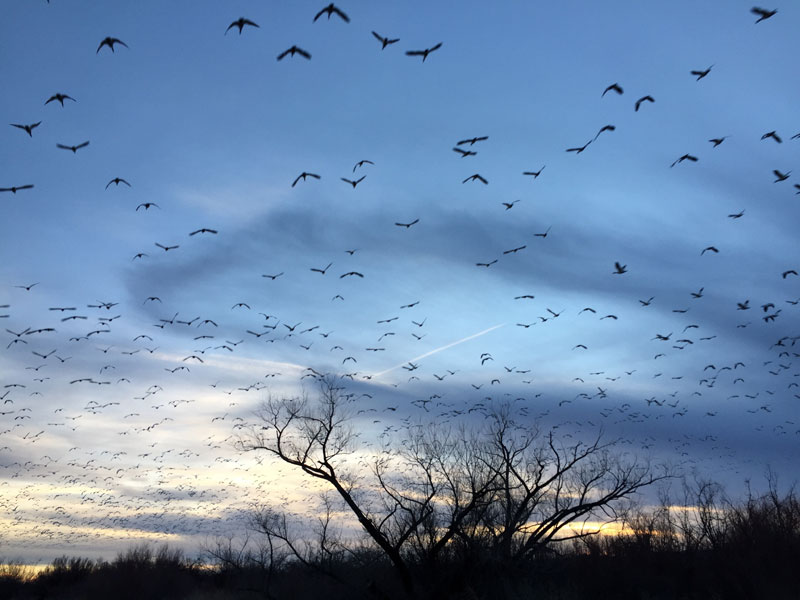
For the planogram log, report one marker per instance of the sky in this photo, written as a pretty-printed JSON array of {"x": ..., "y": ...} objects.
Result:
[{"x": 643, "y": 288}]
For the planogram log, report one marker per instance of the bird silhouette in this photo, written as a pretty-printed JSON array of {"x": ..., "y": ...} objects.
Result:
[
  {"x": 204, "y": 230},
  {"x": 604, "y": 128},
  {"x": 73, "y": 148},
  {"x": 385, "y": 41},
  {"x": 167, "y": 248},
  {"x": 683, "y": 158},
  {"x": 423, "y": 53},
  {"x": 763, "y": 13},
  {"x": 294, "y": 50},
  {"x": 780, "y": 176},
  {"x": 464, "y": 153},
  {"x": 579, "y": 149},
  {"x": 332, "y": 9},
  {"x": 303, "y": 176},
  {"x": 534, "y": 174},
  {"x": 641, "y": 100},
  {"x": 240, "y": 23},
  {"x": 614, "y": 87},
  {"x": 15, "y": 189},
  {"x": 620, "y": 269},
  {"x": 117, "y": 181},
  {"x": 700, "y": 74},
  {"x": 476, "y": 177},
  {"x": 147, "y": 205},
  {"x": 322, "y": 271},
  {"x": 27, "y": 128},
  {"x": 353, "y": 183},
  {"x": 709, "y": 249},
  {"x": 59, "y": 98},
  {"x": 109, "y": 41},
  {"x": 772, "y": 134},
  {"x": 407, "y": 225},
  {"x": 718, "y": 141},
  {"x": 472, "y": 141}
]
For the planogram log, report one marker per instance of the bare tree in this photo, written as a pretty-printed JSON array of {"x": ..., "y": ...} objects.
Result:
[{"x": 501, "y": 488}]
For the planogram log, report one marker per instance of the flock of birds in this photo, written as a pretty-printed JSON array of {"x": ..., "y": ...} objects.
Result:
[{"x": 141, "y": 483}]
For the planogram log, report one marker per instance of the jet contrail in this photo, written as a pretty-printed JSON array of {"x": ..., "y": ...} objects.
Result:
[{"x": 445, "y": 347}]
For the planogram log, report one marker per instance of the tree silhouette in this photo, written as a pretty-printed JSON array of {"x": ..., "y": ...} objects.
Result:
[{"x": 500, "y": 492}]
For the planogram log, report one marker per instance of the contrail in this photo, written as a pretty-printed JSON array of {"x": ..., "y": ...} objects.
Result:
[{"x": 445, "y": 347}]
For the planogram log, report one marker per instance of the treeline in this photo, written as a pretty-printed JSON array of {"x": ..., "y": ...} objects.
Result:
[{"x": 702, "y": 547}]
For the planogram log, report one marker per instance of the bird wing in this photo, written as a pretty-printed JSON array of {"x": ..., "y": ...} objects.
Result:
[
  {"x": 345, "y": 18},
  {"x": 283, "y": 54}
]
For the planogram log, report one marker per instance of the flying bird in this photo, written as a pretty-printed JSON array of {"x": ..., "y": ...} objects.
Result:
[
  {"x": 763, "y": 13},
  {"x": 472, "y": 141},
  {"x": 353, "y": 183},
  {"x": 14, "y": 189},
  {"x": 350, "y": 274},
  {"x": 772, "y": 134},
  {"x": 709, "y": 249},
  {"x": 73, "y": 148},
  {"x": 620, "y": 269},
  {"x": 604, "y": 128},
  {"x": 718, "y": 141},
  {"x": 423, "y": 53},
  {"x": 785, "y": 274},
  {"x": 643, "y": 99},
  {"x": 384, "y": 40},
  {"x": 407, "y": 225},
  {"x": 294, "y": 50},
  {"x": 27, "y": 128},
  {"x": 332, "y": 9},
  {"x": 781, "y": 176},
  {"x": 580, "y": 149},
  {"x": 109, "y": 41},
  {"x": 534, "y": 174},
  {"x": 475, "y": 177},
  {"x": 240, "y": 23},
  {"x": 683, "y": 158},
  {"x": 614, "y": 87},
  {"x": 303, "y": 176},
  {"x": 700, "y": 74},
  {"x": 361, "y": 163},
  {"x": 59, "y": 98},
  {"x": 166, "y": 248},
  {"x": 464, "y": 153},
  {"x": 147, "y": 205},
  {"x": 203, "y": 230},
  {"x": 117, "y": 181},
  {"x": 322, "y": 271},
  {"x": 736, "y": 215}
]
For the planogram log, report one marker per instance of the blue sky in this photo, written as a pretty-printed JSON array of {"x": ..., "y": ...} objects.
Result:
[{"x": 213, "y": 130}]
